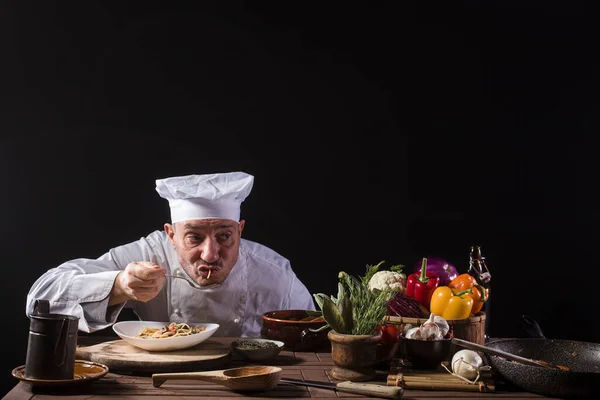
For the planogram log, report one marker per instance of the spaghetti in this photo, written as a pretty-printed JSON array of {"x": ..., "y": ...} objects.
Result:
[{"x": 174, "y": 329}]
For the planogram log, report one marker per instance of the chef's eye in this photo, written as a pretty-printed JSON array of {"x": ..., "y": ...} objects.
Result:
[
  {"x": 193, "y": 239},
  {"x": 224, "y": 238}
]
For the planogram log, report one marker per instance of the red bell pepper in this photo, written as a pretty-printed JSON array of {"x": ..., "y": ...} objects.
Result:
[{"x": 420, "y": 285}]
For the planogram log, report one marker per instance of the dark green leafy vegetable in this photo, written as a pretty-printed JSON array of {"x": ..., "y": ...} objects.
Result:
[
  {"x": 357, "y": 310},
  {"x": 331, "y": 313}
]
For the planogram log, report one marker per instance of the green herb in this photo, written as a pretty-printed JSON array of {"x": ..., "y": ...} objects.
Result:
[
  {"x": 356, "y": 310},
  {"x": 371, "y": 270},
  {"x": 397, "y": 268},
  {"x": 247, "y": 344}
]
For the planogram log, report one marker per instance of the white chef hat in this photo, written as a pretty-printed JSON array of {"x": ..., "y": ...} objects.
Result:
[{"x": 205, "y": 196}]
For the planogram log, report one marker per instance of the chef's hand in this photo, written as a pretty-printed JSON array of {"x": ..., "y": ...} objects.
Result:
[{"x": 140, "y": 280}]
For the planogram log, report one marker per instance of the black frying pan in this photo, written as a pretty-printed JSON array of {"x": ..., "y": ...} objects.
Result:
[{"x": 582, "y": 379}]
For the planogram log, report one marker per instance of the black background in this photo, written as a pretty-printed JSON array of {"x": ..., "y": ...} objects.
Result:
[{"x": 380, "y": 132}]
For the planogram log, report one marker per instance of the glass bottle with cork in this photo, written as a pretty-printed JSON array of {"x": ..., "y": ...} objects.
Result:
[{"x": 479, "y": 270}]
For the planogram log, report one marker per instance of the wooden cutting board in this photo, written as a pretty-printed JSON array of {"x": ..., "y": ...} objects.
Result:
[{"x": 119, "y": 355}]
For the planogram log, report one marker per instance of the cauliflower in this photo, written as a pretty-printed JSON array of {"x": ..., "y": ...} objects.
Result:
[{"x": 388, "y": 279}]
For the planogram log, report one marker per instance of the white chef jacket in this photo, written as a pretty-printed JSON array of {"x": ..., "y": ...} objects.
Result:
[{"x": 260, "y": 281}]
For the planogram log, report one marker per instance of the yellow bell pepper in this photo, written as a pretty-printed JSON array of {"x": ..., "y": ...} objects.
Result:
[{"x": 449, "y": 303}]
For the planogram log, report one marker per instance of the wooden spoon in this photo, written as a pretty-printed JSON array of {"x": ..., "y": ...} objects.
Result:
[
  {"x": 508, "y": 356},
  {"x": 252, "y": 378}
]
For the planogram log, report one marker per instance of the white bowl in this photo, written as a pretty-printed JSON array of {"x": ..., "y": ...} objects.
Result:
[{"x": 128, "y": 330}]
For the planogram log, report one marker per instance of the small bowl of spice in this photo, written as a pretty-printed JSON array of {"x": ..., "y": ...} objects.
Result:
[{"x": 256, "y": 349}]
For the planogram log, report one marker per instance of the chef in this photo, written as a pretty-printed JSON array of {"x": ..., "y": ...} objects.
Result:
[{"x": 234, "y": 280}]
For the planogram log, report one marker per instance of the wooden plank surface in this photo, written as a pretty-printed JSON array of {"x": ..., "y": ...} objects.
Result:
[
  {"x": 297, "y": 365},
  {"x": 118, "y": 387}
]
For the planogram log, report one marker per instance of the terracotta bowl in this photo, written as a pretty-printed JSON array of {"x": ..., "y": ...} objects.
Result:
[
  {"x": 425, "y": 354},
  {"x": 292, "y": 327}
]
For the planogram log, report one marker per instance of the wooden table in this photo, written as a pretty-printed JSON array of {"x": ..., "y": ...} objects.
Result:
[{"x": 308, "y": 366}]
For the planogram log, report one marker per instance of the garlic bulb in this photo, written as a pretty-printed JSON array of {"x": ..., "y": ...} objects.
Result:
[
  {"x": 435, "y": 328},
  {"x": 467, "y": 364},
  {"x": 430, "y": 330}
]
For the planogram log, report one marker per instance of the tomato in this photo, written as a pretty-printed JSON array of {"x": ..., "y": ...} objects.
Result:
[{"x": 389, "y": 333}]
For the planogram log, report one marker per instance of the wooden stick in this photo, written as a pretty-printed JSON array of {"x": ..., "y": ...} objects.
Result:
[
  {"x": 431, "y": 385},
  {"x": 438, "y": 376}
]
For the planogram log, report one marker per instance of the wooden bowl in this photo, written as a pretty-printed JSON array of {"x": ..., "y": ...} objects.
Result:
[{"x": 293, "y": 328}]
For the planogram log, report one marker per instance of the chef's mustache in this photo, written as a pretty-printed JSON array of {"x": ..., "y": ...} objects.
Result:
[{"x": 208, "y": 264}]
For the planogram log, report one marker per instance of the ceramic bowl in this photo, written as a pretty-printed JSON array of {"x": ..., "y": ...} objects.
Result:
[
  {"x": 128, "y": 331},
  {"x": 293, "y": 328},
  {"x": 425, "y": 354},
  {"x": 256, "y": 349}
]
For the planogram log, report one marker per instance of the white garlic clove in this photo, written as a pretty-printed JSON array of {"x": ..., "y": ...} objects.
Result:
[
  {"x": 430, "y": 320},
  {"x": 443, "y": 324},
  {"x": 431, "y": 332},
  {"x": 410, "y": 333}
]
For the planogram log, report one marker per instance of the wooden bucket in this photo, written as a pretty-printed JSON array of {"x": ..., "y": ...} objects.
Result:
[{"x": 470, "y": 329}]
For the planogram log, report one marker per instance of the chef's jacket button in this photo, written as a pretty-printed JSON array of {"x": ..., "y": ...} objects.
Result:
[
  {"x": 176, "y": 312},
  {"x": 236, "y": 320}
]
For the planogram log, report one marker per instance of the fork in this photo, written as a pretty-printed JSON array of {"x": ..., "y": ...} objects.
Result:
[{"x": 193, "y": 284}]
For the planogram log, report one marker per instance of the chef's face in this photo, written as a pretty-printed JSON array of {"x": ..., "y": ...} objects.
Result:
[{"x": 206, "y": 245}]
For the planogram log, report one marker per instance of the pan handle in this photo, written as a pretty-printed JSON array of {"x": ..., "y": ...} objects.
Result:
[
  {"x": 502, "y": 353},
  {"x": 532, "y": 327}
]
